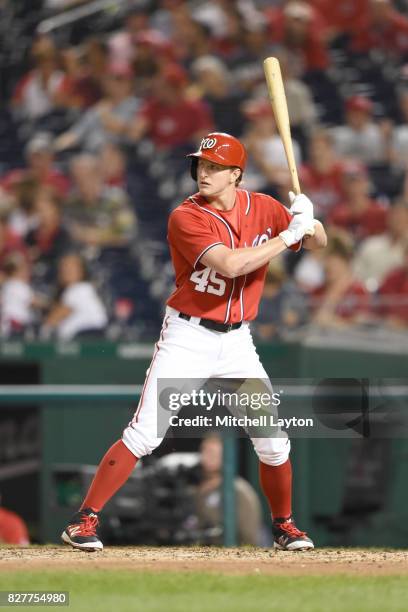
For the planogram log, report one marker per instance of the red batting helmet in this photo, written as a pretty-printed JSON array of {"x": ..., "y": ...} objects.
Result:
[{"x": 221, "y": 149}]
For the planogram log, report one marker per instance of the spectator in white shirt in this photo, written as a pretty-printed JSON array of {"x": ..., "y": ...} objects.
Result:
[
  {"x": 360, "y": 137},
  {"x": 79, "y": 311},
  {"x": 42, "y": 89},
  {"x": 378, "y": 255},
  {"x": 17, "y": 296}
]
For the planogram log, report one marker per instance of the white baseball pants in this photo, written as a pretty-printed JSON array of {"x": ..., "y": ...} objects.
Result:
[{"x": 188, "y": 350}]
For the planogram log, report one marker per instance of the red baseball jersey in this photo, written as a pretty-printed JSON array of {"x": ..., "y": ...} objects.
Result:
[{"x": 195, "y": 227}]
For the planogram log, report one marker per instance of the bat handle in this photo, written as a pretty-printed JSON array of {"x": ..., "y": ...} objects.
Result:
[{"x": 295, "y": 184}]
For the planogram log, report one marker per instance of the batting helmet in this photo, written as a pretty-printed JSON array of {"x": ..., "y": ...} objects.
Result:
[{"x": 221, "y": 149}]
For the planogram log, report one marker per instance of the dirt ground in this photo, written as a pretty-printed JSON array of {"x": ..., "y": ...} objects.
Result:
[{"x": 203, "y": 559}]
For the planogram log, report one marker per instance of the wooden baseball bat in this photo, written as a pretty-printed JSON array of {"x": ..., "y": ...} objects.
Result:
[{"x": 277, "y": 98}]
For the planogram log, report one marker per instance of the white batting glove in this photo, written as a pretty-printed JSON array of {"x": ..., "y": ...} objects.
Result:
[
  {"x": 300, "y": 226},
  {"x": 301, "y": 204}
]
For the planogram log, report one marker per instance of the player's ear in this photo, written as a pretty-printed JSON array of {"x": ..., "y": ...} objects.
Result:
[{"x": 235, "y": 175}]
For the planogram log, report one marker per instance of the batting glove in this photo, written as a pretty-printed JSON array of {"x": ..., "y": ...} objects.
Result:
[
  {"x": 300, "y": 226},
  {"x": 301, "y": 204}
]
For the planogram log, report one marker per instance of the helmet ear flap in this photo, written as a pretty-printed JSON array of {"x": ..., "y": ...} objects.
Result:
[{"x": 193, "y": 168}]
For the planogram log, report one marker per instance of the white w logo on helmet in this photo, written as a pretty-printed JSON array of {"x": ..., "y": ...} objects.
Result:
[{"x": 208, "y": 143}]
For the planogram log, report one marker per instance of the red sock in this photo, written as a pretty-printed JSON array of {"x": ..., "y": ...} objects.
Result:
[
  {"x": 113, "y": 471},
  {"x": 276, "y": 483}
]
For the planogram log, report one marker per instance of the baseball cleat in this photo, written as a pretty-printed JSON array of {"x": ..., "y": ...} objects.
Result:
[
  {"x": 288, "y": 537},
  {"x": 82, "y": 531}
]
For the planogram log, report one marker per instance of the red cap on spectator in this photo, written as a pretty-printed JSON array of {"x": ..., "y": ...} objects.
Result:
[
  {"x": 359, "y": 103},
  {"x": 254, "y": 109},
  {"x": 175, "y": 75},
  {"x": 120, "y": 69},
  {"x": 353, "y": 169},
  {"x": 155, "y": 41},
  {"x": 152, "y": 38}
]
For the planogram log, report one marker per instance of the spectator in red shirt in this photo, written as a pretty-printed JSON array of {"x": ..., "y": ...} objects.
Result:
[
  {"x": 321, "y": 177},
  {"x": 169, "y": 118},
  {"x": 382, "y": 28},
  {"x": 358, "y": 213},
  {"x": 393, "y": 296},
  {"x": 342, "y": 300},
  {"x": 341, "y": 17},
  {"x": 300, "y": 29}
]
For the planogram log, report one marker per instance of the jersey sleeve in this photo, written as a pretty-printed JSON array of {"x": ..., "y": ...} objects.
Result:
[
  {"x": 281, "y": 219},
  {"x": 191, "y": 235}
]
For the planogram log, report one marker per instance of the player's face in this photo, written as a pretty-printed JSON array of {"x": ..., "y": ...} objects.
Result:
[{"x": 213, "y": 179}]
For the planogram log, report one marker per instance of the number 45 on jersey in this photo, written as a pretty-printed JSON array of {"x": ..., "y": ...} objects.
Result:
[{"x": 207, "y": 281}]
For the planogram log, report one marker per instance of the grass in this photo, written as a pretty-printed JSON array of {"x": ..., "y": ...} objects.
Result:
[{"x": 123, "y": 591}]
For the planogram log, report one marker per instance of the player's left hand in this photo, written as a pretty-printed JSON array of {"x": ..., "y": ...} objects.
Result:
[
  {"x": 301, "y": 204},
  {"x": 300, "y": 226}
]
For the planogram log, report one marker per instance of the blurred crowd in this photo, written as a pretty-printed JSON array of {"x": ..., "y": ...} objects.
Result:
[{"x": 99, "y": 108}]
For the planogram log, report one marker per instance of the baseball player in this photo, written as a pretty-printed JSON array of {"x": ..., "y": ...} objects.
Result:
[{"x": 221, "y": 241}]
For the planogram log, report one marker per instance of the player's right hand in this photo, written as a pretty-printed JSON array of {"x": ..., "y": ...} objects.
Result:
[{"x": 300, "y": 226}]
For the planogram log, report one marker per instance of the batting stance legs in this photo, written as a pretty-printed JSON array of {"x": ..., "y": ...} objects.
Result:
[
  {"x": 189, "y": 351},
  {"x": 177, "y": 357}
]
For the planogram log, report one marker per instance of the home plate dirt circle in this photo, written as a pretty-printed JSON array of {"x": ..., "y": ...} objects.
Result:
[{"x": 205, "y": 559}]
